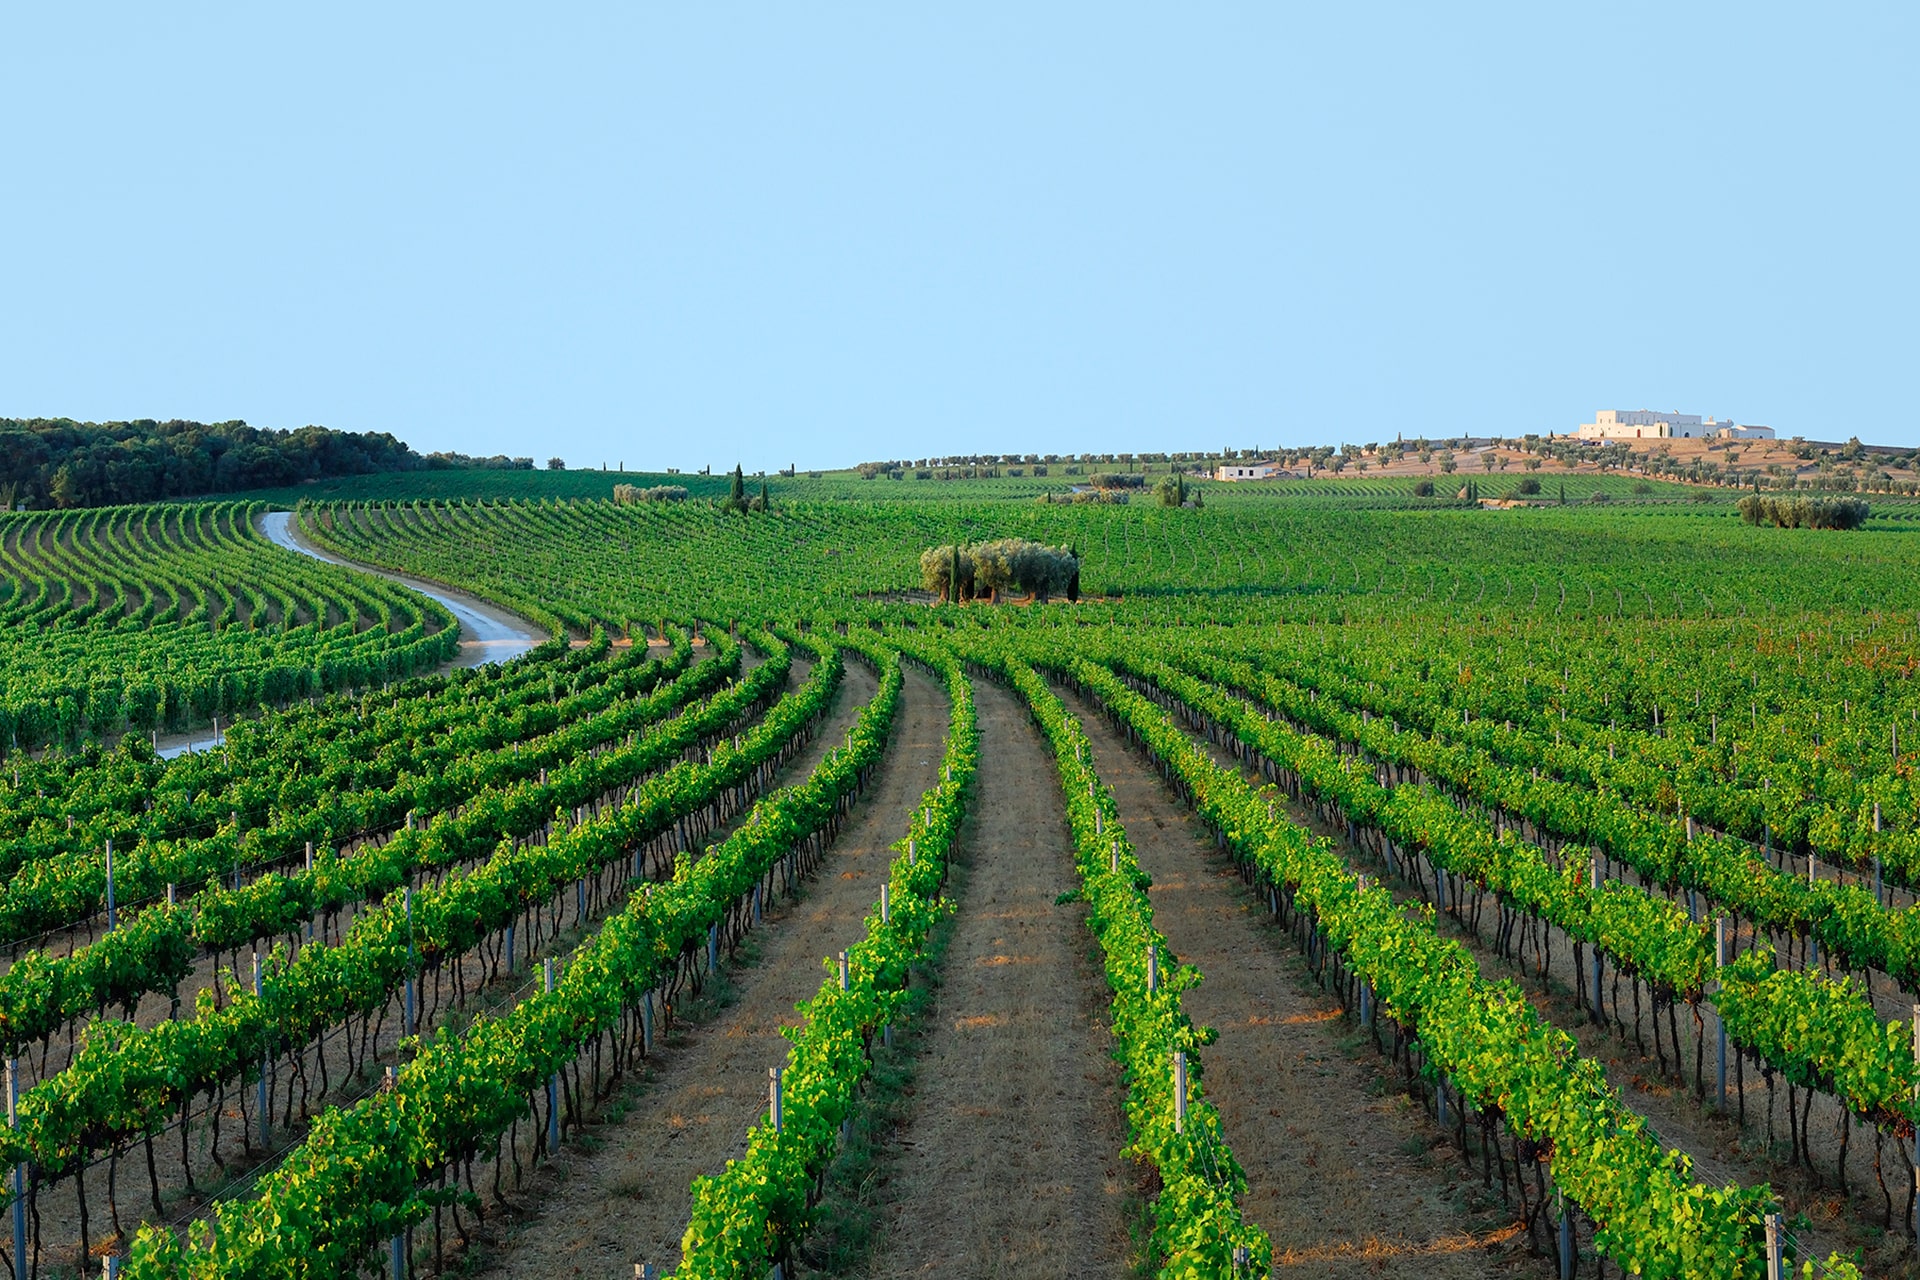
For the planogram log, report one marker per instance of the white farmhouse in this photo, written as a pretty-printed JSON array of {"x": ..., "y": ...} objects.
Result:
[
  {"x": 1649, "y": 424},
  {"x": 1246, "y": 471}
]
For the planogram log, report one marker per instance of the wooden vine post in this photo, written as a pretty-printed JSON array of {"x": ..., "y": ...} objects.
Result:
[
  {"x": 1719, "y": 962},
  {"x": 1597, "y": 1017},
  {"x": 409, "y": 994},
  {"x": 1813, "y": 934},
  {"x": 1879, "y": 881},
  {"x": 266, "y": 1086},
  {"x": 1566, "y": 1237},
  {"x": 553, "y": 1087},
  {"x": 1366, "y": 987},
  {"x": 19, "y": 1173},
  {"x": 397, "y": 1246}
]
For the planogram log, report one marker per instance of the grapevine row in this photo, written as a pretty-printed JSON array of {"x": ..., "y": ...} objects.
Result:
[
  {"x": 128, "y": 1081},
  {"x": 359, "y": 1178},
  {"x": 1198, "y": 1227},
  {"x": 749, "y": 1218},
  {"x": 1482, "y": 1038},
  {"x": 1823, "y": 1035}
]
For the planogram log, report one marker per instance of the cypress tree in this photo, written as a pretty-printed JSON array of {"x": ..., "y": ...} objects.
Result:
[{"x": 737, "y": 491}]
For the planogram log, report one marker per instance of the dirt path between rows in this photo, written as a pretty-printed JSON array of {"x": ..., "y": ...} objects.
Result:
[
  {"x": 622, "y": 1195},
  {"x": 1009, "y": 1163},
  {"x": 1342, "y": 1170}
]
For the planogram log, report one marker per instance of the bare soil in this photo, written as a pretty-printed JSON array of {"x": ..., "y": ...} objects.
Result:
[
  {"x": 1009, "y": 1162},
  {"x": 622, "y": 1196},
  {"x": 1345, "y": 1173}
]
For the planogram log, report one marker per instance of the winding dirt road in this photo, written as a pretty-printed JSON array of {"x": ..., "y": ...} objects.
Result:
[{"x": 488, "y": 633}]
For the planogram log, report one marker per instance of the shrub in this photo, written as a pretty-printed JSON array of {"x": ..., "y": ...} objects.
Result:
[
  {"x": 1599, "y": 496},
  {"x": 1424, "y": 489},
  {"x": 1529, "y": 485},
  {"x": 1642, "y": 487}
]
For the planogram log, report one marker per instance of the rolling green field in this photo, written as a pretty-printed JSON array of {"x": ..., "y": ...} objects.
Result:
[{"x": 1515, "y": 812}]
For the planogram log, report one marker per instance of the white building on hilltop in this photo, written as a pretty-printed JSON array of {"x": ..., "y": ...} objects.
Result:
[{"x": 1648, "y": 424}]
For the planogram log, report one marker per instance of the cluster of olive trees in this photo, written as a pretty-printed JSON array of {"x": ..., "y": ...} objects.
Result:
[
  {"x": 1803, "y": 513},
  {"x": 985, "y": 569},
  {"x": 631, "y": 493}
]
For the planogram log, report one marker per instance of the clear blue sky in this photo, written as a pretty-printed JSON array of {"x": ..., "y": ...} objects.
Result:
[{"x": 823, "y": 233}]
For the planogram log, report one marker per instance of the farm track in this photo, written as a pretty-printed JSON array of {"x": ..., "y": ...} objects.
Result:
[
  {"x": 1681, "y": 1123},
  {"x": 622, "y": 1194},
  {"x": 1338, "y": 1162},
  {"x": 1009, "y": 1162},
  {"x": 489, "y": 632}
]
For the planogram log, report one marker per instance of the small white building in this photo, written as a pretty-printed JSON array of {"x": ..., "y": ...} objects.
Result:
[
  {"x": 1246, "y": 471},
  {"x": 1650, "y": 424}
]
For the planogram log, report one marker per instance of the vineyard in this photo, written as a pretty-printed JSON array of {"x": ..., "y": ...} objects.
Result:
[
  {"x": 1329, "y": 881},
  {"x": 157, "y": 618}
]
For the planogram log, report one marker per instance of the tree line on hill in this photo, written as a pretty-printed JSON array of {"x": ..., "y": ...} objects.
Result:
[{"x": 57, "y": 462}]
